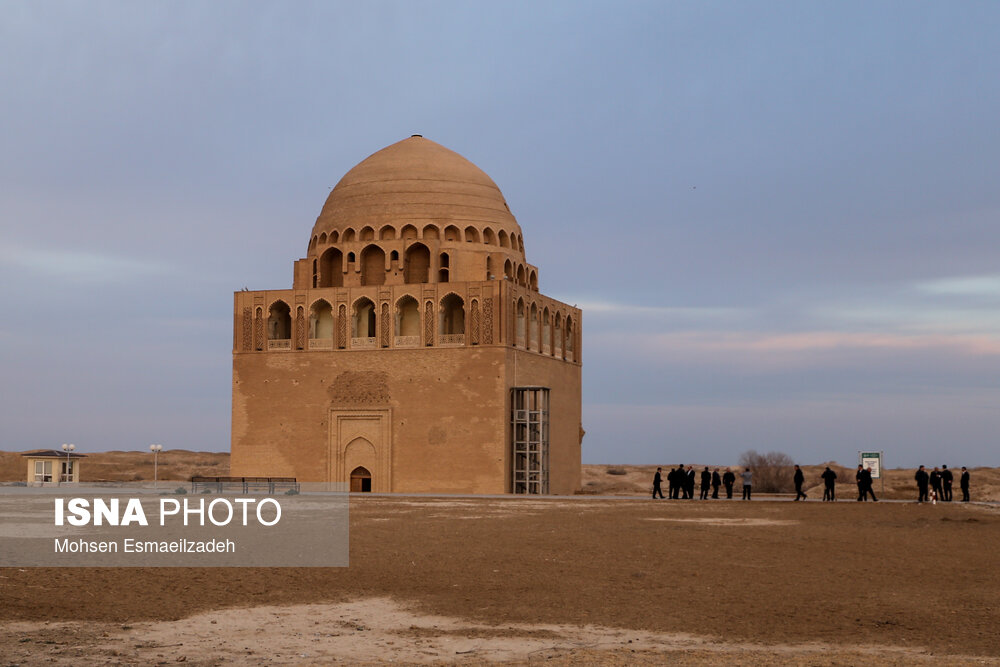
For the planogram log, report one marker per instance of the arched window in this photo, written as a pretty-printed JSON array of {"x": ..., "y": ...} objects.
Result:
[
  {"x": 279, "y": 321},
  {"x": 570, "y": 333},
  {"x": 322, "y": 239},
  {"x": 387, "y": 233},
  {"x": 533, "y": 329},
  {"x": 557, "y": 337},
  {"x": 321, "y": 322},
  {"x": 333, "y": 236},
  {"x": 431, "y": 232},
  {"x": 491, "y": 267},
  {"x": 546, "y": 332},
  {"x": 533, "y": 281},
  {"x": 452, "y": 316},
  {"x": 503, "y": 239},
  {"x": 394, "y": 256},
  {"x": 367, "y": 234},
  {"x": 508, "y": 270},
  {"x": 520, "y": 275},
  {"x": 444, "y": 267},
  {"x": 348, "y": 236},
  {"x": 471, "y": 234},
  {"x": 350, "y": 258},
  {"x": 363, "y": 322},
  {"x": 409, "y": 232},
  {"x": 331, "y": 268},
  {"x": 417, "y": 264},
  {"x": 407, "y": 322},
  {"x": 452, "y": 233},
  {"x": 489, "y": 237},
  {"x": 521, "y": 324},
  {"x": 372, "y": 265}
]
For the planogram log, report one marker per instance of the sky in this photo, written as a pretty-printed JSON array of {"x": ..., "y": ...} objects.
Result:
[{"x": 781, "y": 219}]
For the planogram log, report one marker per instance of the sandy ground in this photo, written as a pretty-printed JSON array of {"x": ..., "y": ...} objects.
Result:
[{"x": 562, "y": 581}]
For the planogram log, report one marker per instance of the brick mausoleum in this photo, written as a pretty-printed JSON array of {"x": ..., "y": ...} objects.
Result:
[{"x": 414, "y": 352}]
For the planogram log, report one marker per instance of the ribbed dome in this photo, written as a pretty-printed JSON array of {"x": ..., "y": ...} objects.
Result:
[{"x": 415, "y": 181}]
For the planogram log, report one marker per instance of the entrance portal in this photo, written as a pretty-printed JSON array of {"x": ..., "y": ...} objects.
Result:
[{"x": 361, "y": 480}]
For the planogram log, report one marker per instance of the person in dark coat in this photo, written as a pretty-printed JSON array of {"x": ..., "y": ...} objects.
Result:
[
  {"x": 799, "y": 479},
  {"x": 671, "y": 483},
  {"x": 706, "y": 481},
  {"x": 690, "y": 483},
  {"x": 716, "y": 483},
  {"x": 866, "y": 485},
  {"x": 680, "y": 482},
  {"x": 947, "y": 479},
  {"x": 922, "y": 481},
  {"x": 657, "y": 481},
  {"x": 857, "y": 479},
  {"x": 728, "y": 479},
  {"x": 936, "y": 482},
  {"x": 829, "y": 481},
  {"x": 964, "y": 483}
]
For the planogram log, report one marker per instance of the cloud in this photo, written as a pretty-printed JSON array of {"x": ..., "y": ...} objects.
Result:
[
  {"x": 976, "y": 286},
  {"x": 78, "y": 265}
]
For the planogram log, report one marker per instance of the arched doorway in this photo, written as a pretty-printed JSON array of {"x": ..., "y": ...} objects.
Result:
[{"x": 361, "y": 480}]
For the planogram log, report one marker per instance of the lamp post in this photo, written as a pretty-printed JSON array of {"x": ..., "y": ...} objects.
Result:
[
  {"x": 156, "y": 449},
  {"x": 67, "y": 448}
]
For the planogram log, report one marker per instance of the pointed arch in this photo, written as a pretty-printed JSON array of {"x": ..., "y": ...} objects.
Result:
[
  {"x": 452, "y": 233},
  {"x": 333, "y": 236},
  {"x": 521, "y": 324},
  {"x": 367, "y": 233},
  {"x": 520, "y": 275},
  {"x": 504, "y": 242},
  {"x": 452, "y": 315},
  {"x": 489, "y": 238},
  {"x": 279, "y": 321},
  {"x": 416, "y": 264},
  {"x": 533, "y": 280},
  {"x": 387, "y": 233},
  {"x": 347, "y": 236},
  {"x": 508, "y": 270},
  {"x": 471, "y": 234},
  {"x": 372, "y": 265},
  {"x": 431, "y": 232},
  {"x": 363, "y": 322},
  {"x": 408, "y": 232},
  {"x": 321, "y": 320},
  {"x": 331, "y": 268},
  {"x": 408, "y": 318},
  {"x": 546, "y": 331}
]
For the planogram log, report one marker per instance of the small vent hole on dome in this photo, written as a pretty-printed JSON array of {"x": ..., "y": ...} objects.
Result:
[{"x": 417, "y": 135}]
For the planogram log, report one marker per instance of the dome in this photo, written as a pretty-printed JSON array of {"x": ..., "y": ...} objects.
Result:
[{"x": 415, "y": 182}]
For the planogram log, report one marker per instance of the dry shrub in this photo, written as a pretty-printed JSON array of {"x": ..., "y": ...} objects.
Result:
[
  {"x": 617, "y": 471},
  {"x": 772, "y": 472}
]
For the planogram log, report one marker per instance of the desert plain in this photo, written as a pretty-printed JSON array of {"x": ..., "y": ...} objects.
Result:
[{"x": 605, "y": 577}]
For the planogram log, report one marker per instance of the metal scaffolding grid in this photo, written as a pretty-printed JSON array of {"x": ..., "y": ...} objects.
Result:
[{"x": 529, "y": 424}]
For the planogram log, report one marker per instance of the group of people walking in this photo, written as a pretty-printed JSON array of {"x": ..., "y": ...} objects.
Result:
[
  {"x": 681, "y": 483},
  {"x": 937, "y": 484}
]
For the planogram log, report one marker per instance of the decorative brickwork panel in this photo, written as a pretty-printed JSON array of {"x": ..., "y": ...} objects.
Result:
[
  {"x": 384, "y": 325},
  {"x": 488, "y": 321},
  {"x": 342, "y": 326},
  {"x": 258, "y": 330},
  {"x": 300, "y": 328},
  {"x": 429, "y": 323},
  {"x": 360, "y": 388},
  {"x": 246, "y": 344},
  {"x": 474, "y": 316}
]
